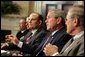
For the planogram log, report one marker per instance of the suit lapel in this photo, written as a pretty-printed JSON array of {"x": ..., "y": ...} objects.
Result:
[
  {"x": 68, "y": 48},
  {"x": 74, "y": 44},
  {"x": 36, "y": 35},
  {"x": 66, "y": 45},
  {"x": 27, "y": 36},
  {"x": 33, "y": 37},
  {"x": 57, "y": 35}
]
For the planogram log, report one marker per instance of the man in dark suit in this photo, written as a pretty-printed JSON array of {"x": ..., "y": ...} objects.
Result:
[
  {"x": 75, "y": 27},
  {"x": 23, "y": 29},
  {"x": 57, "y": 31},
  {"x": 20, "y": 35},
  {"x": 35, "y": 35}
]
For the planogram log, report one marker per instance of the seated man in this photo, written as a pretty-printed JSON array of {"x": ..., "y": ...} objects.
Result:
[
  {"x": 34, "y": 37},
  {"x": 23, "y": 29},
  {"x": 57, "y": 31},
  {"x": 75, "y": 27},
  {"x": 22, "y": 32}
]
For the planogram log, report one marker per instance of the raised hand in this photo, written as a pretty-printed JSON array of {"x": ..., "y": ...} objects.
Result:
[{"x": 12, "y": 39}]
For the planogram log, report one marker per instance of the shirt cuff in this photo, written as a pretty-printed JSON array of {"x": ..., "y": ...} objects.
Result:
[
  {"x": 7, "y": 44},
  {"x": 55, "y": 54},
  {"x": 20, "y": 44}
]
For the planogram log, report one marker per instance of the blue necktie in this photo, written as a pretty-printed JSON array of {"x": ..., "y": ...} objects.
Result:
[{"x": 48, "y": 40}]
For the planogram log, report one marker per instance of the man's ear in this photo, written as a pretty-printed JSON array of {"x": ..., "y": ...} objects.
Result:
[
  {"x": 59, "y": 19},
  {"x": 40, "y": 22},
  {"x": 76, "y": 22}
]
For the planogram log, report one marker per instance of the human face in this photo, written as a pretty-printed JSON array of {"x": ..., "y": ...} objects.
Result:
[
  {"x": 70, "y": 24},
  {"x": 51, "y": 22},
  {"x": 34, "y": 22},
  {"x": 22, "y": 24},
  {"x": 27, "y": 22}
]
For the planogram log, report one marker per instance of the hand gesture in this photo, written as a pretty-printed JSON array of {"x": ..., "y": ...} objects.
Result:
[
  {"x": 12, "y": 39},
  {"x": 50, "y": 49}
]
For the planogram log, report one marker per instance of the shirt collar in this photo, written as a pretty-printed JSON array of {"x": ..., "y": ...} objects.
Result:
[
  {"x": 77, "y": 36},
  {"x": 22, "y": 31},
  {"x": 54, "y": 32},
  {"x": 34, "y": 31}
]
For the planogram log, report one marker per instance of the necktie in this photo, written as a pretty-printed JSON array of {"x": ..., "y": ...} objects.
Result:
[
  {"x": 48, "y": 40},
  {"x": 27, "y": 41}
]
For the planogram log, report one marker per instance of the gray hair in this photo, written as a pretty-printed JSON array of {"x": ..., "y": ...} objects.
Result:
[
  {"x": 77, "y": 11},
  {"x": 58, "y": 13}
]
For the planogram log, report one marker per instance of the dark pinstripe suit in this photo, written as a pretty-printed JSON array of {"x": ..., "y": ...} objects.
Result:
[{"x": 60, "y": 38}]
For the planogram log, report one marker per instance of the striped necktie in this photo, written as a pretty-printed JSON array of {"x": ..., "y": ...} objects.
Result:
[{"x": 27, "y": 41}]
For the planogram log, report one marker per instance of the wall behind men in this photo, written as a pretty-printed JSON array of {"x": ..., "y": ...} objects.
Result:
[{"x": 10, "y": 21}]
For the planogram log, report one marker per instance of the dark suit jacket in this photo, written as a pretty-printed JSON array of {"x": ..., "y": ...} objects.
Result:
[
  {"x": 19, "y": 34},
  {"x": 34, "y": 42},
  {"x": 76, "y": 49},
  {"x": 60, "y": 38}
]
